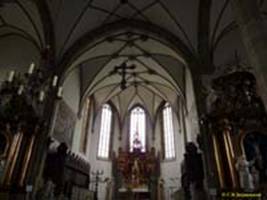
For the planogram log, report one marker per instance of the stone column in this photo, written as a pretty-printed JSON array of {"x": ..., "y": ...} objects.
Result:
[
  {"x": 254, "y": 35},
  {"x": 207, "y": 150}
]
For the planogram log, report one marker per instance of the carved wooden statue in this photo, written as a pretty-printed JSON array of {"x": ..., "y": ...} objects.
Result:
[
  {"x": 193, "y": 173},
  {"x": 245, "y": 177}
]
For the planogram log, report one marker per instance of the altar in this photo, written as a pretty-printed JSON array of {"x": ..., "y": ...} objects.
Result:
[
  {"x": 136, "y": 174},
  {"x": 135, "y": 193}
]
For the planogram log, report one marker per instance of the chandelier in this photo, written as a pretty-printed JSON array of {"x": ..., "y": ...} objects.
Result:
[
  {"x": 27, "y": 106},
  {"x": 24, "y": 98}
]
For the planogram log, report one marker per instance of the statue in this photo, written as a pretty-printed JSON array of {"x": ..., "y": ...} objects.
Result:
[
  {"x": 151, "y": 161},
  {"x": 185, "y": 182},
  {"x": 160, "y": 194},
  {"x": 211, "y": 98},
  {"x": 109, "y": 188},
  {"x": 136, "y": 172},
  {"x": 2, "y": 166},
  {"x": 137, "y": 144},
  {"x": 245, "y": 178},
  {"x": 255, "y": 177},
  {"x": 193, "y": 173},
  {"x": 259, "y": 163},
  {"x": 123, "y": 164}
]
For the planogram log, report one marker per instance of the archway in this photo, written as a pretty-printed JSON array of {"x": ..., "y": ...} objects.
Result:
[{"x": 133, "y": 68}]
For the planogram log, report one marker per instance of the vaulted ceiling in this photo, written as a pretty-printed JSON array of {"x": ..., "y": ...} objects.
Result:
[
  {"x": 150, "y": 79},
  {"x": 158, "y": 37}
]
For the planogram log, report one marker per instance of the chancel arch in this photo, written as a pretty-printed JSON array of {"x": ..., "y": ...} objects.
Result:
[{"x": 135, "y": 69}]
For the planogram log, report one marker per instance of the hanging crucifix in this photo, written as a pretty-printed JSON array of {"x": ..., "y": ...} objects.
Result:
[{"x": 123, "y": 71}]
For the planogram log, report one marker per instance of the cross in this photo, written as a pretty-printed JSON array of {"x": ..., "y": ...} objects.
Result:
[
  {"x": 97, "y": 175},
  {"x": 123, "y": 71}
]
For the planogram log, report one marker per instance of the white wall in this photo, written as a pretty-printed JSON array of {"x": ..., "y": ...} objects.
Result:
[
  {"x": 96, "y": 163},
  {"x": 170, "y": 170}
]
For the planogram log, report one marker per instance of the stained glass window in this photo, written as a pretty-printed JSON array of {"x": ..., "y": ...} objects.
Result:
[
  {"x": 105, "y": 132},
  {"x": 137, "y": 129},
  {"x": 168, "y": 132}
]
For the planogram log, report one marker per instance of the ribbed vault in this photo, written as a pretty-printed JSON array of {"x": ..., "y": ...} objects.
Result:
[
  {"x": 151, "y": 82},
  {"x": 96, "y": 35}
]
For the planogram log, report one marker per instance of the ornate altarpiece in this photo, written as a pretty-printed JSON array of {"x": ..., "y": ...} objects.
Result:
[
  {"x": 236, "y": 111},
  {"x": 136, "y": 171}
]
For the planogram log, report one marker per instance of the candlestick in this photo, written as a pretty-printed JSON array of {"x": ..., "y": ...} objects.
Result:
[
  {"x": 11, "y": 76},
  {"x": 60, "y": 91},
  {"x": 20, "y": 90},
  {"x": 55, "y": 79},
  {"x": 31, "y": 68},
  {"x": 41, "y": 96}
]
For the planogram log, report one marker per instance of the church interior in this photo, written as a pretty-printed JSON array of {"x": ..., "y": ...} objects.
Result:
[{"x": 133, "y": 99}]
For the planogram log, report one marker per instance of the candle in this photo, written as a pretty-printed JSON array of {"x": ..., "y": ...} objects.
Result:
[
  {"x": 54, "y": 83},
  {"x": 20, "y": 90},
  {"x": 11, "y": 76},
  {"x": 60, "y": 91},
  {"x": 31, "y": 68},
  {"x": 41, "y": 96}
]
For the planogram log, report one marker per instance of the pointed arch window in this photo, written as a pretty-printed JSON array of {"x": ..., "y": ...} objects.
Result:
[
  {"x": 137, "y": 129},
  {"x": 105, "y": 131},
  {"x": 168, "y": 132}
]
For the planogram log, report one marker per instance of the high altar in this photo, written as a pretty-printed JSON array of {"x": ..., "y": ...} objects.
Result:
[{"x": 136, "y": 174}]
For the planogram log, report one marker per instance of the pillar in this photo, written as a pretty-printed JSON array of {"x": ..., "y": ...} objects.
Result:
[{"x": 254, "y": 36}]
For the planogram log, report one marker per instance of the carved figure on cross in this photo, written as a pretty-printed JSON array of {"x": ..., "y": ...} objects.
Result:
[{"x": 123, "y": 71}]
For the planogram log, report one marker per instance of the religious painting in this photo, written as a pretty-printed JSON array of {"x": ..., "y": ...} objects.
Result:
[{"x": 64, "y": 124}]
